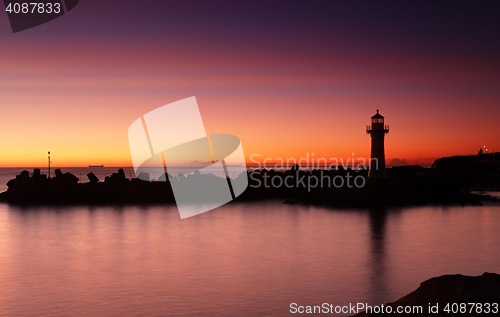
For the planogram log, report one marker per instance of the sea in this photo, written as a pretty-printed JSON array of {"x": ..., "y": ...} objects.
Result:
[{"x": 241, "y": 259}]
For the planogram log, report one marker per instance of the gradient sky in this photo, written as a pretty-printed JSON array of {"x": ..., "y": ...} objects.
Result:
[{"x": 287, "y": 77}]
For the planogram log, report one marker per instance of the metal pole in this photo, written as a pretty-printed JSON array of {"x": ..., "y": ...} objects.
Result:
[{"x": 49, "y": 164}]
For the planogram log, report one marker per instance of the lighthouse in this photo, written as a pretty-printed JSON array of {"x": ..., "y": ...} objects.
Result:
[{"x": 377, "y": 130}]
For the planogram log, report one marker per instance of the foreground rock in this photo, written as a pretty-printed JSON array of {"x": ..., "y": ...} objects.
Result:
[{"x": 449, "y": 289}]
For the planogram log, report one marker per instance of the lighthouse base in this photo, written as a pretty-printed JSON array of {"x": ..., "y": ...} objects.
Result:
[{"x": 377, "y": 174}]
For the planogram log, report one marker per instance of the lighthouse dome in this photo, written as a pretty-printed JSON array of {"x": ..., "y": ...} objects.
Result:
[{"x": 378, "y": 116}]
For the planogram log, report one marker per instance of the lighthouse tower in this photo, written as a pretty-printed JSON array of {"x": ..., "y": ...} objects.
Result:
[{"x": 377, "y": 131}]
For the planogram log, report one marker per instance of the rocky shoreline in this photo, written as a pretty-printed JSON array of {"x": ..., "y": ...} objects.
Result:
[
  {"x": 439, "y": 294},
  {"x": 406, "y": 186}
]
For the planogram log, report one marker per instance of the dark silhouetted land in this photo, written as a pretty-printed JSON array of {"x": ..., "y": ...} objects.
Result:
[
  {"x": 449, "y": 289},
  {"x": 449, "y": 181}
]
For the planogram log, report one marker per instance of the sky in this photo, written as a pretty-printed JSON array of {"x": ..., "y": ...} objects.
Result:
[{"x": 289, "y": 78}]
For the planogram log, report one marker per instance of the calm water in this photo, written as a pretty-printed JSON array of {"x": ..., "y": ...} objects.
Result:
[{"x": 239, "y": 260}]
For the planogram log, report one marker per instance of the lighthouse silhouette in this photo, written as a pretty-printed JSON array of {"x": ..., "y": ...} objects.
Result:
[{"x": 377, "y": 130}]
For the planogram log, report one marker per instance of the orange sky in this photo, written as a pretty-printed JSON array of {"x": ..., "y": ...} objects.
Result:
[{"x": 74, "y": 89}]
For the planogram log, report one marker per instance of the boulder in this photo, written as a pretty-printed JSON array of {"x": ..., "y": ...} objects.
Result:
[{"x": 449, "y": 289}]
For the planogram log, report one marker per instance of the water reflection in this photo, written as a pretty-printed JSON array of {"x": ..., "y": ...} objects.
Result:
[
  {"x": 378, "y": 280},
  {"x": 247, "y": 259}
]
